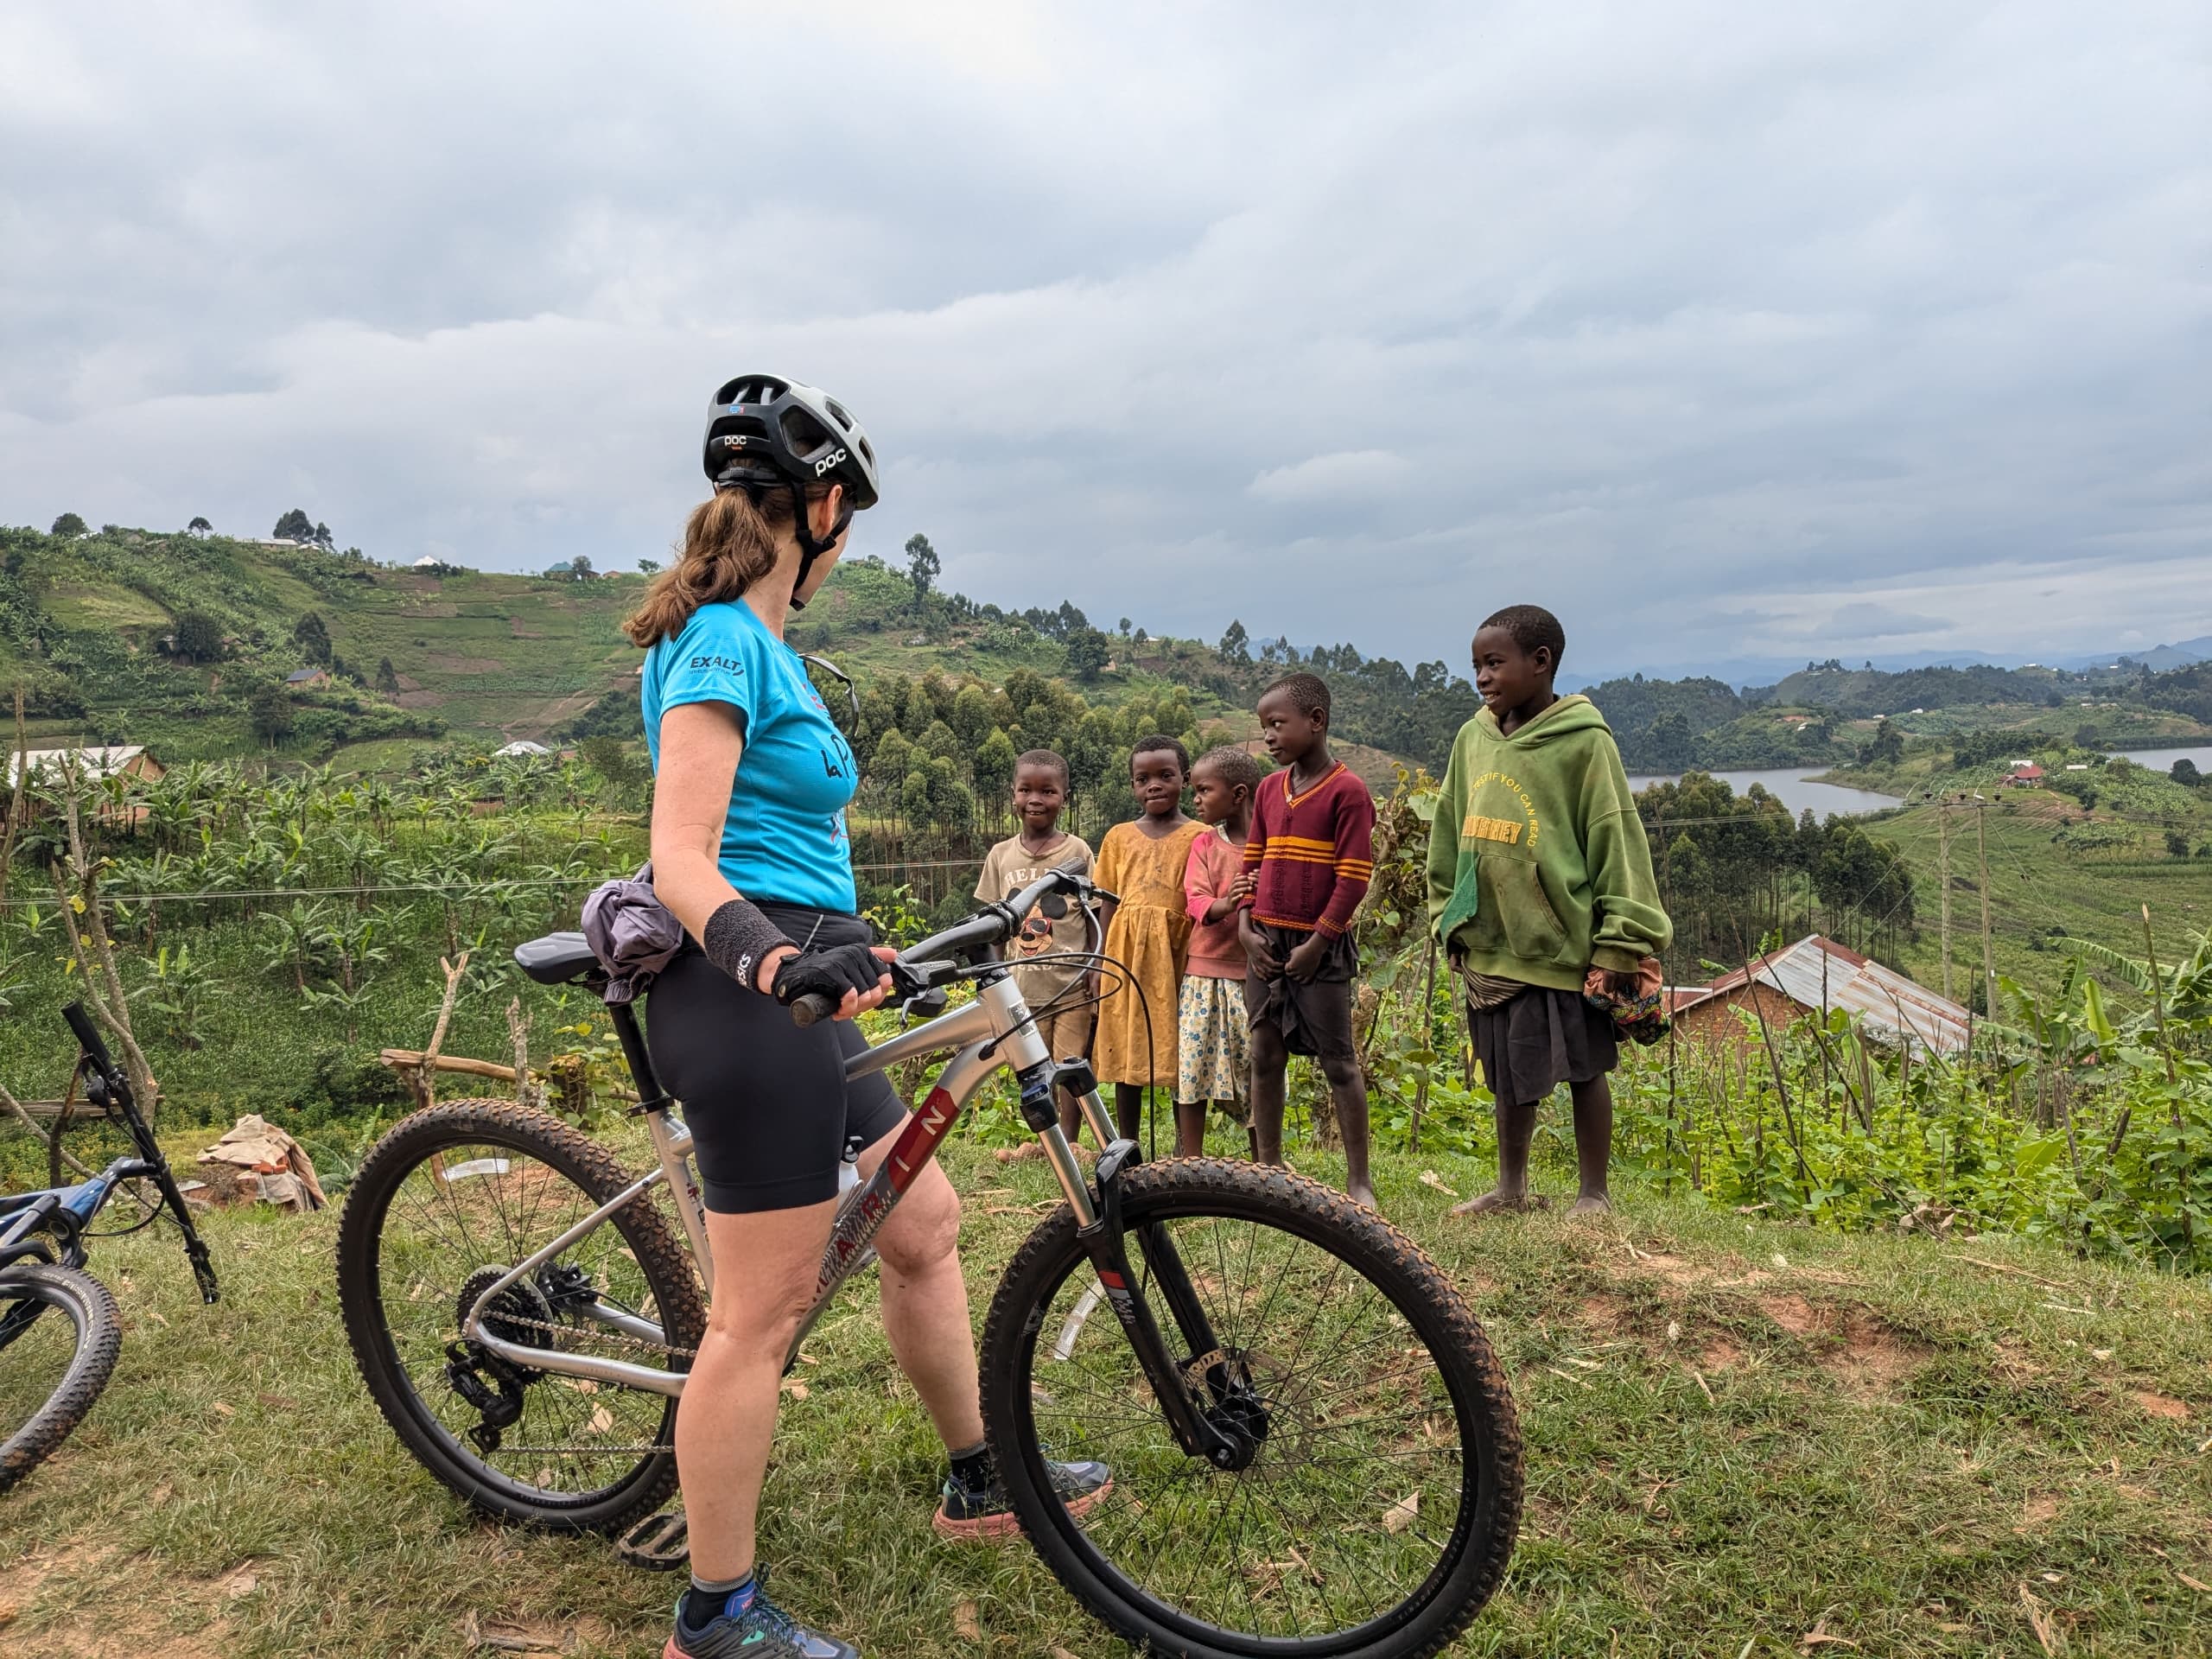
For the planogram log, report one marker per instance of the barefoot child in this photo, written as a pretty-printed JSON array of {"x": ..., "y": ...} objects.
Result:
[
  {"x": 1040, "y": 791},
  {"x": 1148, "y": 932},
  {"x": 1213, "y": 1044},
  {"x": 1539, "y": 873},
  {"x": 1311, "y": 856}
]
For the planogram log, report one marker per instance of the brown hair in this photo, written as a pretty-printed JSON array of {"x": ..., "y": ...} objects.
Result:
[{"x": 730, "y": 542}]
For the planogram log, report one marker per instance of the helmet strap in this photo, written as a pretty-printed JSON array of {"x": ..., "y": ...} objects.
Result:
[{"x": 810, "y": 547}]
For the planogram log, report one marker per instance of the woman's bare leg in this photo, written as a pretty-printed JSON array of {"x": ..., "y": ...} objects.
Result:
[
  {"x": 925, "y": 1300},
  {"x": 728, "y": 1417}
]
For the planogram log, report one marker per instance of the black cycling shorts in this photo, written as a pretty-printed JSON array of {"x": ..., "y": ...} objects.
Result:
[{"x": 768, "y": 1105}]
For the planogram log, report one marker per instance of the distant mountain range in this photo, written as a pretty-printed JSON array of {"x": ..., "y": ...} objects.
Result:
[{"x": 1748, "y": 672}]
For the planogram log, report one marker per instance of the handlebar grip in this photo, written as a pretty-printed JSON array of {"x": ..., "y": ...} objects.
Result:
[
  {"x": 88, "y": 1038},
  {"x": 806, "y": 1010}
]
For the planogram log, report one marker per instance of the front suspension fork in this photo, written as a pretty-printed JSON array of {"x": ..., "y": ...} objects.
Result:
[{"x": 1200, "y": 1431}]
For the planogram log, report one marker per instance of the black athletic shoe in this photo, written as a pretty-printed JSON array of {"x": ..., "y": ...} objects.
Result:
[
  {"x": 971, "y": 1512},
  {"x": 763, "y": 1630}
]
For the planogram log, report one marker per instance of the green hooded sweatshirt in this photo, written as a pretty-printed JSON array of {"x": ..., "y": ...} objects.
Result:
[{"x": 1538, "y": 868}]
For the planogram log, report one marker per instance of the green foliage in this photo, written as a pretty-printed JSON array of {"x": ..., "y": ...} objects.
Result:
[
  {"x": 70, "y": 525},
  {"x": 922, "y": 567},
  {"x": 312, "y": 638},
  {"x": 295, "y": 526},
  {"x": 1088, "y": 652},
  {"x": 200, "y": 637},
  {"x": 269, "y": 707}
]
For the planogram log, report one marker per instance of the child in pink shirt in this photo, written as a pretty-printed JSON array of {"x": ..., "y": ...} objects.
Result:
[{"x": 1213, "y": 1040}]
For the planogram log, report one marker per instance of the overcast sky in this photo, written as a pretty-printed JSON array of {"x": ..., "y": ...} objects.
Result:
[{"x": 1728, "y": 331}]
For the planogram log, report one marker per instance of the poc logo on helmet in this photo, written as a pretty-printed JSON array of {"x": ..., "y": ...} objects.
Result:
[{"x": 828, "y": 461}]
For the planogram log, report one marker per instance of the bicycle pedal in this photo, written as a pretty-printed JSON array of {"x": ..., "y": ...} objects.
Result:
[{"x": 659, "y": 1543}]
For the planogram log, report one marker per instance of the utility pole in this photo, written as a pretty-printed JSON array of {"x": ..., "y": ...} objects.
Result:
[
  {"x": 1943, "y": 883},
  {"x": 1988, "y": 956}
]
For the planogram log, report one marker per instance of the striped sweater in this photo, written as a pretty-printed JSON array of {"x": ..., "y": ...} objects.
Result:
[{"x": 1314, "y": 852}]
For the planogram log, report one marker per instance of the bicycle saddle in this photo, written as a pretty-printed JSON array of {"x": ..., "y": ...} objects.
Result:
[{"x": 557, "y": 959}]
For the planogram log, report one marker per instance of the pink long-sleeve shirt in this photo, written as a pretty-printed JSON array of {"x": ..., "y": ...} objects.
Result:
[{"x": 1215, "y": 863}]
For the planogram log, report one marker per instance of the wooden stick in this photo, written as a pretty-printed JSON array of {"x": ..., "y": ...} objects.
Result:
[
  {"x": 16, "y": 798},
  {"x": 406, "y": 1059}
]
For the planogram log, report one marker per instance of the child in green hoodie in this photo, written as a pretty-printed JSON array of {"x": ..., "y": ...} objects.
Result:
[{"x": 1538, "y": 873}]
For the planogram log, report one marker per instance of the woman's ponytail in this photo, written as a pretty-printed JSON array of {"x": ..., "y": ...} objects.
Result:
[{"x": 730, "y": 542}]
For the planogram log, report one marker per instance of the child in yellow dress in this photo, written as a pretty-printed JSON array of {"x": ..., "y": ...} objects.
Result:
[{"x": 1148, "y": 932}]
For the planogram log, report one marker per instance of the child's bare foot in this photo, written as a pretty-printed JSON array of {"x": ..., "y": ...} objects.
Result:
[
  {"x": 1500, "y": 1202},
  {"x": 1362, "y": 1194},
  {"x": 1592, "y": 1203}
]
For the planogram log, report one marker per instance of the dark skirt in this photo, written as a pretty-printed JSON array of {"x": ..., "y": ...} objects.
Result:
[{"x": 1540, "y": 1039}]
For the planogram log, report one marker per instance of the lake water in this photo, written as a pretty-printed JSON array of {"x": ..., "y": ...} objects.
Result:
[
  {"x": 1793, "y": 786},
  {"x": 2163, "y": 760}
]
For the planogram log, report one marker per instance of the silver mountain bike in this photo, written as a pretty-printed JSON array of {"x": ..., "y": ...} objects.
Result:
[{"x": 1314, "y": 1451}]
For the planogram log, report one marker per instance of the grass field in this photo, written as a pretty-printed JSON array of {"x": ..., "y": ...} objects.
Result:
[
  {"x": 2037, "y": 889},
  {"x": 1742, "y": 1438}
]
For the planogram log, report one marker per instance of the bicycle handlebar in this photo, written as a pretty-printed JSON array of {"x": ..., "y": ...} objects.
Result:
[
  {"x": 88, "y": 1038},
  {"x": 986, "y": 926}
]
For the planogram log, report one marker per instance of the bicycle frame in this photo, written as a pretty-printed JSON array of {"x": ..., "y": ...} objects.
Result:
[
  {"x": 30, "y": 1222},
  {"x": 1197, "y": 1395},
  {"x": 995, "y": 1030}
]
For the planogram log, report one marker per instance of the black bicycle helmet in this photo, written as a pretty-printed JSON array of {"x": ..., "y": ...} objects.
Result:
[{"x": 764, "y": 430}]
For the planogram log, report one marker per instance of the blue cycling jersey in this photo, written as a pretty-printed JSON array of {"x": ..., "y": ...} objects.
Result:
[{"x": 784, "y": 838}]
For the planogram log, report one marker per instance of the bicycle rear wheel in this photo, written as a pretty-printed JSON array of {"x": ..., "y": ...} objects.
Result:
[
  {"x": 443, "y": 1206},
  {"x": 59, "y": 1338},
  {"x": 1378, "y": 1512}
]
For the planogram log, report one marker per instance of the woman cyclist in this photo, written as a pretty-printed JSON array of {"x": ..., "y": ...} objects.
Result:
[{"x": 749, "y": 850}]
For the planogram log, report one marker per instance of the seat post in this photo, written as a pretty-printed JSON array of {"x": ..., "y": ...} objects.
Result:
[{"x": 650, "y": 1098}]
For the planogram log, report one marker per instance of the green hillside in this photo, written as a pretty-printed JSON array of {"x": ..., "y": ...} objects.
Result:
[{"x": 95, "y": 630}]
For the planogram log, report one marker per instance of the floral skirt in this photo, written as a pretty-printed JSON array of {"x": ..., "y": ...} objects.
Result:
[{"x": 1213, "y": 1049}]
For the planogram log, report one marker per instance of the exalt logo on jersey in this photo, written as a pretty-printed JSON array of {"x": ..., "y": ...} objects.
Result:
[{"x": 728, "y": 664}]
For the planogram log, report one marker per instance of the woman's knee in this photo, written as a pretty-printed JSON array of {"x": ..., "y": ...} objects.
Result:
[
  {"x": 768, "y": 1264},
  {"x": 924, "y": 1229}
]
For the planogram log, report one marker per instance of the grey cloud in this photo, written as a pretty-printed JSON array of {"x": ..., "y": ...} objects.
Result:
[{"x": 1825, "y": 319}]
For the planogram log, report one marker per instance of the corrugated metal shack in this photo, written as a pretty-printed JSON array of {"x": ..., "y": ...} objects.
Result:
[{"x": 1815, "y": 974}]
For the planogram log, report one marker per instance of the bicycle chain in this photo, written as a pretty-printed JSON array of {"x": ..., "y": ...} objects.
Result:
[{"x": 620, "y": 1338}]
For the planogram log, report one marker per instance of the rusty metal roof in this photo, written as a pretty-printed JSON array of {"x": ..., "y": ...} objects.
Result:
[{"x": 1818, "y": 973}]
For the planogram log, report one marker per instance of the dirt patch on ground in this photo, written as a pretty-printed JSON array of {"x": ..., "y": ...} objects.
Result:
[
  {"x": 1682, "y": 1275},
  {"x": 515, "y": 626},
  {"x": 2038, "y": 1512},
  {"x": 1719, "y": 1355},
  {"x": 2160, "y": 1405},
  {"x": 97, "y": 1637},
  {"x": 446, "y": 665},
  {"x": 1874, "y": 1359},
  {"x": 1797, "y": 1316},
  {"x": 1607, "y": 1314}
]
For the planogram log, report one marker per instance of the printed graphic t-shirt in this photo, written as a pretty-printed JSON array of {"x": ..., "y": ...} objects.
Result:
[
  {"x": 1008, "y": 867},
  {"x": 784, "y": 838}
]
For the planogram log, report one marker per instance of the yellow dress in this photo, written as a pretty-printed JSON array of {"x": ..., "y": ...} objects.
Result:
[{"x": 1149, "y": 937}]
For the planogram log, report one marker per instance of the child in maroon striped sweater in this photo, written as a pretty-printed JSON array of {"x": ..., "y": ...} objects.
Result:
[{"x": 1312, "y": 850}]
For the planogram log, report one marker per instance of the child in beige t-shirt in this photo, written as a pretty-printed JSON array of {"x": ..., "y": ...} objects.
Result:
[{"x": 1041, "y": 792}]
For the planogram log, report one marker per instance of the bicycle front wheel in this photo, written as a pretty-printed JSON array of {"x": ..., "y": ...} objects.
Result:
[
  {"x": 59, "y": 1338},
  {"x": 1377, "y": 1512}
]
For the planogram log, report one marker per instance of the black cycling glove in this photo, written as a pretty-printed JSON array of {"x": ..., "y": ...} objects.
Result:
[
  {"x": 829, "y": 973},
  {"x": 737, "y": 937}
]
